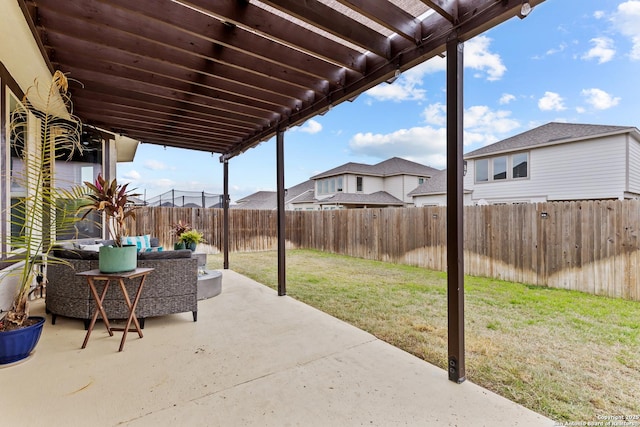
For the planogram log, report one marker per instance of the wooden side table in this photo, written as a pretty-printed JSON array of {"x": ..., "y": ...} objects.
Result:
[{"x": 92, "y": 276}]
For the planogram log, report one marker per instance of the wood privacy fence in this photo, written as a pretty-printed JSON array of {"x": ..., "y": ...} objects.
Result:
[{"x": 590, "y": 246}]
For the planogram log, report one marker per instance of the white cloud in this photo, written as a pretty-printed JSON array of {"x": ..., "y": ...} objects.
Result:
[
  {"x": 551, "y": 101},
  {"x": 424, "y": 145},
  {"x": 477, "y": 56},
  {"x": 482, "y": 119},
  {"x": 405, "y": 88},
  {"x": 311, "y": 126},
  {"x": 427, "y": 145},
  {"x": 598, "y": 14},
  {"x": 602, "y": 50},
  {"x": 408, "y": 87},
  {"x": 132, "y": 175},
  {"x": 506, "y": 98},
  {"x": 626, "y": 21},
  {"x": 558, "y": 49},
  {"x": 435, "y": 114},
  {"x": 155, "y": 165},
  {"x": 599, "y": 99}
]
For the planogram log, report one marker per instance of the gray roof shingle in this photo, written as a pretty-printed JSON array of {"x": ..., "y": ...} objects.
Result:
[
  {"x": 268, "y": 199},
  {"x": 551, "y": 133},
  {"x": 378, "y": 198},
  {"x": 389, "y": 167},
  {"x": 437, "y": 184}
]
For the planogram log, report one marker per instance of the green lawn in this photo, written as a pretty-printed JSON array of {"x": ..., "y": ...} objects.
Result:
[{"x": 564, "y": 354}]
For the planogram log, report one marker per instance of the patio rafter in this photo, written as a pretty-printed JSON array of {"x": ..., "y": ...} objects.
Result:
[{"x": 262, "y": 65}]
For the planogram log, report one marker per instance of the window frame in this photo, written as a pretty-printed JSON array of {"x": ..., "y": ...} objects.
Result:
[{"x": 490, "y": 162}]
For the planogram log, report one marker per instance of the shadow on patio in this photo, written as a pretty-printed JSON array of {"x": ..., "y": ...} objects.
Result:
[{"x": 253, "y": 358}]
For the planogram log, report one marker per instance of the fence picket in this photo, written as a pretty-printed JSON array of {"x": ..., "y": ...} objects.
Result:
[{"x": 591, "y": 246}]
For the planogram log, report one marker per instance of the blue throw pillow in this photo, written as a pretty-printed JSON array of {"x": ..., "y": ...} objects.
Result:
[{"x": 142, "y": 242}]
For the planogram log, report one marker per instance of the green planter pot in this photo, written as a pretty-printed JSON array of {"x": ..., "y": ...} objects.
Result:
[
  {"x": 115, "y": 259},
  {"x": 179, "y": 245}
]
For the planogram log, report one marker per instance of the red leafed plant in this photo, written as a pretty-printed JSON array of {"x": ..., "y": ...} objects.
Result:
[
  {"x": 115, "y": 201},
  {"x": 179, "y": 227}
]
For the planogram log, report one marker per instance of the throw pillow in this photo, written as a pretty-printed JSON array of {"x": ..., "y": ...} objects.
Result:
[
  {"x": 142, "y": 242},
  {"x": 92, "y": 248}
]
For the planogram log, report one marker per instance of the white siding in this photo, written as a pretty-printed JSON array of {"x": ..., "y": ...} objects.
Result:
[
  {"x": 593, "y": 169},
  {"x": 634, "y": 165},
  {"x": 394, "y": 185},
  {"x": 350, "y": 183},
  {"x": 400, "y": 185},
  {"x": 371, "y": 184},
  {"x": 438, "y": 200}
]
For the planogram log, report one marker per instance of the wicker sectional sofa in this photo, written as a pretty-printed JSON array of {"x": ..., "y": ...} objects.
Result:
[{"x": 171, "y": 288}]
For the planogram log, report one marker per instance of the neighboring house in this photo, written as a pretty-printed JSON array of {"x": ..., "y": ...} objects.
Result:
[
  {"x": 358, "y": 185},
  {"x": 301, "y": 195},
  {"x": 433, "y": 192},
  {"x": 557, "y": 162},
  {"x": 352, "y": 185}
]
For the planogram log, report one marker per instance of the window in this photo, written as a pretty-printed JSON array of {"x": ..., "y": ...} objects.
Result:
[
  {"x": 71, "y": 170},
  {"x": 18, "y": 140},
  {"x": 329, "y": 185},
  {"x": 421, "y": 180},
  {"x": 359, "y": 183},
  {"x": 520, "y": 163},
  {"x": 499, "y": 168},
  {"x": 482, "y": 170},
  {"x": 502, "y": 168}
]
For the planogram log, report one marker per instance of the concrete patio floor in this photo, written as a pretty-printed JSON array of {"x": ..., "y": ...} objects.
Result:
[{"x": 252, "y": 358}]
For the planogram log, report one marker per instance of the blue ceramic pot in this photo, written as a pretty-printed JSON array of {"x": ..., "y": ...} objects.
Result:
[{"x": 18, "y": 344}]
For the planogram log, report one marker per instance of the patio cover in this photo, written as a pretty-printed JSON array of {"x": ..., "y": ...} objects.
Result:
[{"x": 223, "y": 76}]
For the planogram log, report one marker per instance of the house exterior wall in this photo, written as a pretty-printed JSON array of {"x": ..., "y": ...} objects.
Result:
[
  {"x": 633, "y": 165},
  {"x": 21, "y": 64},
  {"x": 399, "y": 186},
  {"x": 370, "y": 184},
  {"x": 301, "y": 207},
  {"x": 430, "y": 200},
  {"x": 18, "y": 50},
  {"x": 439, "y": 200},
  {"x": 591, "y": 169}
]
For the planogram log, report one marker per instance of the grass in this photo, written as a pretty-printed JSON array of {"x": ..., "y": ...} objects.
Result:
[{"x": 567, "y": 355}]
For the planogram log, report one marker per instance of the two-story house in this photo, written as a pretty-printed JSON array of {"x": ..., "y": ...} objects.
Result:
[
  {"x": 358, "y": 185},
  {"x": 351, "y": 185},
  {"x": 553, "y": 162}
]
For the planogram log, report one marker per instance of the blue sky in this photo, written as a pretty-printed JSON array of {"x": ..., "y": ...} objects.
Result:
[{"x": 574, "y": 61}]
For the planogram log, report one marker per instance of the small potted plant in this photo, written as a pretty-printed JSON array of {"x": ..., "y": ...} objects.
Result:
[
  {"x": 191, "y": 239},
  {"x": 114, "y": 200},
  {"x": 177, "y": 230}
]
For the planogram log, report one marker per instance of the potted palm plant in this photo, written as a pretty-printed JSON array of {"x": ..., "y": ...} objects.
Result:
[
  {"x": 114, "y": 200},
  {"x": 40, "y": 211}
]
